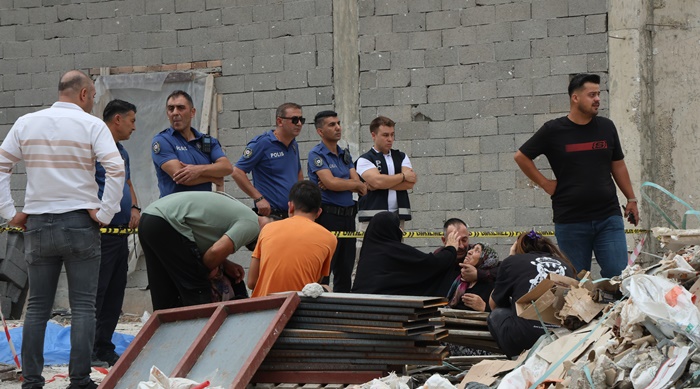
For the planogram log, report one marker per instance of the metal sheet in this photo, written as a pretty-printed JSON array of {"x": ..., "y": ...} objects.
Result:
[
  {"x": 349, "y": 307},
  {"x": 318, "y": 377},
  {"x": 362, "y": 322},
  {"x": 379, "y": 300},
  {"x": 321, "y": 366},
  {"x": 363, "y": 329},
  {"x": 382, "y": 316},
  {"x": 423, "y": 352}
]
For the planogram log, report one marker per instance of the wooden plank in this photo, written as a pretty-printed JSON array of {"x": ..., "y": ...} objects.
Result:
[
  {"x": 207, "y": 104},
  {"x": 449, "y": 321},
  {"x": 318, "y": 377}
]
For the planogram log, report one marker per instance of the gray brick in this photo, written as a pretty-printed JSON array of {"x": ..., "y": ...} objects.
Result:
[
  {"x": 478, "y": 53},
  {"x": 316, "y": 25},
  {"x": 232, "y": 84},
  {"x": 74, "y": 45},
  {"x": 256, "y": 117},
  {"x": 41, "y": 48},
  {"x": 411, "y": 130},
  {"x": 458, "y": 4},
  {"x": 428, "y": 148},
  {"x": 29, "y": 98},
  {"x": 512, "y": 50},
  {"x": 390, "y": 7},
  {"x": 13, "y": 50},
  {"x": 550, "y": 47},
  {"x": 550, "y": 85},
  {"x": 447, "y": 165},
  {"x": 189, "y": 5},
  {"x": 285, "y": 28},
  {"x": 60, "y": 63},
  {"x": 324, "y": 59},
  {"x": 16, "y": 16},
  {"x": 496, "y": 144},
  {"x": 587, "y": 7},
  {"x": 43, "y": 15},
  {"x": 597, "y": 62},
  {"x": 166, "y": 39},
  {"x": 269, "y": 12},
  {"x": 390, "y": 42},
  {"x": 533, "y": 216},
  {"x": 238, "y": 49},
  {"x": 206, "y": 19},
  {"x": 366, "y": 44},
  {"x": 491, "y": 218},
  {"x": 559, "y": 103},
  {"x": 58, "y": 30},
  {"x": 304, "y": 97},
  {"x": 463, "y": 146},
  {"x": 71, "y": 12},
  {"x": 115, "y": 58},
  {"x": 254, "y": 31},
  {"x": 593, "y": 43},
  {"x": 146, "y": 23},
  {"x": 375, "y": 25},
  {"x": 496, "y": 32},
  {"x": 239, "y": 101},
  {"x": 516, "y": 197},
  {"x": 480, "y": 90},
  {"x": 484, "y": 199},
  {"x": 324, "y": 8},
  {"x": 207, "y": 52},
  {"x": 365, "y": 8},
  {"x": 377, "y": 97},
  {"x": 596, "y": 23},
  {"x": 498, "y": 180},
  {"x": 447, "y": 129},
  {"x": 408, "y": 22},
  {"x": 87, "y": 27},
  {"x": 393, "y": 78},
  {"x": 411, "y": 95},
  {"x": 301, "y": 61},
  {"x": 131, "y": 7},
  {"x": 569, "y": 64},
  {"x": 299, "y": 9},
  {"x": 478, "y": 15},
  {"x": 7, "y": 33},
  {"x": 424, "y": 5},
  {"x": 444, "y": 93},
  {"x": 542, "y": 119},
  {"x": 28, "y": 33},
  {"x": 405, "y": 59},
  {"x": 566, "y": 26},
  {"x": 237, "y": 15},
  {"x": 533, "y": 67},
  {"x": 460, "y": 110},
  {"x": 427, "y": 76},
  {"x": 191, "y": 37},
  {"x": 502, "y": 70},
  {"x": 529, "y": 29},
  {"x": 461, "y": 74},
  {"x": 428, "y": 112},
  {"x": 12, "y": 271},
  {"x": 368, "y": 80},
  {"x": 514, "y": 87},
  {"x": 104, "y": 43},
  {"x": 221, "y": 34},
  {"x": 399, "y": 114},
  {"x": 268, "y": 46},
  {"x": 495, "y": 107},
  {"x": 116, "y": 25},
  {"x": 423, "y": 40},
  {"x": 238, "y": 65},
  {"x": 291, "y": 79},
  {"x": 446, "y": 56},
  {"x": 267, "y": 63},
  {"x": 513, "y": 12},
  {"x": 531, "y": 104},
  {"x": 516, "y": 124},
  {"x": 460, "y": 36},
  {"x": 442, "y": 20},
  {"x": 45, "y": 80},
  {"x": 171, "y": 55},
  {"x": 549, "y": 9},
  {"x": 320, "y": 77},
  {"x": 299, "y": 44}
]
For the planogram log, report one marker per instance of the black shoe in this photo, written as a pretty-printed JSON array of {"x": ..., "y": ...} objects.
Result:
[
  {"x": 89, "y": 385},
  {"x": 110, "y": 359}
]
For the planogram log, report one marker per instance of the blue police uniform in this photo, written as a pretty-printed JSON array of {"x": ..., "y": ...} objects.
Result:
[
  {"x": 170, "y": 144},
  {"x": 275, "y": 168},
  {"x": 338, "y": 211}
]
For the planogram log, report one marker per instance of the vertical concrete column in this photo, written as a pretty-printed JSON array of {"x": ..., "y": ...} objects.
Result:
[{"x": 346, "y": 70}]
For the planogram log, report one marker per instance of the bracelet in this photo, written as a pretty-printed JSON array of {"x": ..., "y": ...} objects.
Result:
[
  {"x": 136, "y": 207},
  {"x": 632, "y": 200},
  {"x": 404, "y": 177},
  {"x": 258, "y": 199}
]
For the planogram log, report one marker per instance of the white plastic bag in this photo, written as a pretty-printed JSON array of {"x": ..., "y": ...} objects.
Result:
[{"x": 158, "y": 380}]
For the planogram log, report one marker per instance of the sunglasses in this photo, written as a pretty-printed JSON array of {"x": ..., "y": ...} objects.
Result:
[{"x": 295, "y": 119}]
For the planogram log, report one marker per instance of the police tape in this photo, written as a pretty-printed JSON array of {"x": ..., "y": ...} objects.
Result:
[{"x": 104, "y": 230}]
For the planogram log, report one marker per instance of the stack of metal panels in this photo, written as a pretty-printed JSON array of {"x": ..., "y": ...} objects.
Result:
[
  {"x": 467, "y": 328},
  {"x": 342, "y": 332}
]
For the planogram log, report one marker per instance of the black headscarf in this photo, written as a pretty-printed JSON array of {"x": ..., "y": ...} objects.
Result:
[{"x": 388, "y": 266}]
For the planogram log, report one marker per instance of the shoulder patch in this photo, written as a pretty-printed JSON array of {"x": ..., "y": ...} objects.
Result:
[
  {"x": 318, "y": 162},
  {"x": 156, "y": 147},
  {"x": 248, "y": 152}
]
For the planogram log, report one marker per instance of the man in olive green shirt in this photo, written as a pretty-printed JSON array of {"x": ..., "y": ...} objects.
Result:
[{"x": 187, "y": 238}]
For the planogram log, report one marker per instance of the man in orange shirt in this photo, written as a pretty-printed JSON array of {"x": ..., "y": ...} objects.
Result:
[{"x": 293, "y": 252}]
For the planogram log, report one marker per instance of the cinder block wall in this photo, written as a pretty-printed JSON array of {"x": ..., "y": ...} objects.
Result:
[{"x": 467, "y": 81}]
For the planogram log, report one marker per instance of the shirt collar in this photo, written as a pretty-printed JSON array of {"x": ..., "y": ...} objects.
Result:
[{"x": 67, "y": 105}]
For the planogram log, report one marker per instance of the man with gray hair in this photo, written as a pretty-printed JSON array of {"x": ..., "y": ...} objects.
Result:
[{"x": 62, "y": 215}]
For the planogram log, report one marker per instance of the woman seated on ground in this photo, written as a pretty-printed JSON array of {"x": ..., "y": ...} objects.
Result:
[
  {"x": 532, "y": 258},
  {"x": 473, "y": 295},
  {"x": 388, "y": 266}
]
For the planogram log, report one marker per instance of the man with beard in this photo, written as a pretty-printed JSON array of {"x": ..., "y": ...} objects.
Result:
[{"x": 584, "y": 152}]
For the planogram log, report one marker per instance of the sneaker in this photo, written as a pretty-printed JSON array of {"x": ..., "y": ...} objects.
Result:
[
  {"x": 89, "y": 385},
  {"x": 110, "y": 358},
  {"x": 96, "y": 362}
]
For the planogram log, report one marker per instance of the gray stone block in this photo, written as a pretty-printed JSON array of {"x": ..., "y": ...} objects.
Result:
[
  {"x": 15, "y": 50},
  {"x": 497, "y": 144},
  {"x": 566, "y": 26},
  {"x": 422, "y": 40},
  {"x": 549, "y": 9},
  {"x": 529, "y": 29},
  {"x": 512, "y": 50},
  {"x": 302, "y": 61},
  {"x": 533, "y": 67},
  {"x": 172, "y": 55},
  {"x": 181, "y": 21},
  {"x": 398, "y": 113},
  {"x": 464, "y": 147},
  {"x": 257, "y": 117},
  {"x": 375, "y": 25},
  {"x": 428, "y": 112},
  {"x": 14, "y": 16},
  {"x": 480, "y": 126},
  {"x": 299, "y": 44},
  {"x": 60, "y": 63},
  {"x": 597, "y": 62},
  {"x": 298, "y": 9},
  {"x": 390, "y": 42},
  {"x": 120, "y": 24},
  {"x": 268, "y": 46},
  {"x": 550, "y": 85},
  {"x": 238, "y": 49},
  {"x": 533, "y": 216},
  {"x": 317, "y": 25},
  {"x": 320, "y": 77},
  {"x": 515, "y": 124},
  {"x": 550, "y": 47},
  {"x": 496, "y": 32},
  {"x": 444, "y": 93},
  {"x": 290, "y": 79},
  {"x": 460, "y": 36},
  {"x": 514, "y": 87},
  {"x": 72, "y": 12},
  {"x": 446, "y": 56},
  {"x": 116, "y": 58},
  {"x": 108, "y": 42},
  {"x": 496, "y": 218},
  {"x": 531, "y": 104},
  {"x": 408, "y": 22},
  {"x": 367, "y": 44},
  {"x": 59, "y": 30},
  {"x": 267, "y": 63},
  {"x": 13, "y": 292},
  {"x": 209, "y": 18},
  {"x": 482, "y": 90},
  {"x": 393, "y": 78},
  {"x": 462, "y": 74},
  {"x": 239, "y": 101},
  {"x": 513, "y": 198},
  {"x": 405, "y": 59},
  {"x": 42, "y": 15},
  {"x": 445, "y": 165},
  {"x": 31, "y": 65},
  {"x": 559, "y": 103},
  {"x": 424, "y": 5},
  {"x": 367, "y": 114},
  {"x": 254, "y": 31},
  {"x": 13, "y": 82},
  {"x": 7, "y": 99},
  {"x": 365, "y": 8},
  {"x": 390, "y": 7},
  {"x": 587, "y": 7},
  {"x": 189, "y": 5},
  {"x": 237, "y": 15},
  {"x": 269, "y": 12},
  {"x": 478, "y": 15},
  {"x": 460, "y": 110},
  {"x": 411, "y": 130},
  {"x": 6, "y": 306},
  {"x": 27, "y": 33},
  {"x": 513, "y": 12},
  {"x": 442, "y": 20},
  {"x": 269, "y": 99},
  {"x": 592, "y": 43},
  {"x": 569, "y": 64},
  {"x": 377, "y": 97},
  {"x": 207, "y": 52},
  {"x": 234, "y": 84},
  {"x": 477, "y": 53},
  {"x": 596, "y": 23},
  {"x": 133, "y": 40},
  {"x": 368, "y": 79},
  {"x": 498, "y": 181},
  {"x": 285, "y": 28},
  {"x": 449, "y": 201},
  {"x": 484, "y": 199},
  {"x": 447, "y": 129},
  {"x": 7, "y": 33},
  {"x": 376, "y": 61},
  {"x": 427, "y": 76},
  {"x": 542, "y": 119},
  {"x": 168, "y": 39},
  {"x": 30, "y": 98},
  {"x": 495, "y": 107}
]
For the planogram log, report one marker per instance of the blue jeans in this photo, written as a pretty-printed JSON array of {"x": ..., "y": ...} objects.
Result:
[
  {"x": 50, "y": 242},
  {"x": 604, "y": 237}
]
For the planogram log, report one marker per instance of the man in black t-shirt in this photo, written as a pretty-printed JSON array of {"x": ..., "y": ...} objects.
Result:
[{"x": 585, "y": 155}]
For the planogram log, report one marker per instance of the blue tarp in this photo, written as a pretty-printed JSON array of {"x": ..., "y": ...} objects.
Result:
[{"x": 56, "y": 344}]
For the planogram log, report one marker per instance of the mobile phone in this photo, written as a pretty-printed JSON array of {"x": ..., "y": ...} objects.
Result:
[{"x": 630, "y": 216}]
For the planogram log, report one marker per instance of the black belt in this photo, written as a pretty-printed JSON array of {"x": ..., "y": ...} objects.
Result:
[{"x": 339, "y": 211}]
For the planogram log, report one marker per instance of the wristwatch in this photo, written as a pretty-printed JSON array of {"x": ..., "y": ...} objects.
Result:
[
  {"x": 258, "y": 199},
  {"x": 136, "y": 207}
]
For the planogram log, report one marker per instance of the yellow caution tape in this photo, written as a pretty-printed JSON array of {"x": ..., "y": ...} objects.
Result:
[{"x": 111, "y": 230}]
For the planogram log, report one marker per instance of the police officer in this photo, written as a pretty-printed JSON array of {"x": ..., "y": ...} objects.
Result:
[
  {"x": 331, "y": 168},
  {"x": 273, "y": 157},
  {"x": 184, "y": 158}
]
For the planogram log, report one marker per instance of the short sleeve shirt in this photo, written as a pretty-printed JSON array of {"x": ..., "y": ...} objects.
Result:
[
  {"x": 122, "y": 217},
  {"x": 321, "y": 158},
  {"x": 275, "y": 167},
  {"x": 170, "y": 144},
  {"x": 364, "y": 164}
]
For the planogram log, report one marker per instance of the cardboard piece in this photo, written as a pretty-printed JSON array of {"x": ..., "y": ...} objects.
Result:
[
  {"x": 578, "y": 302},
  {"x": 485, "y": 372},
  {"x": 548, "y": 298}
]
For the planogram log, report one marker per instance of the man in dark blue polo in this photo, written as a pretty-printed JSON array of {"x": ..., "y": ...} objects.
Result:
[
  {"x": 273, "y": 158},
  {"x": 332, "y": 169},
  {"x": 184, "y": 158}
]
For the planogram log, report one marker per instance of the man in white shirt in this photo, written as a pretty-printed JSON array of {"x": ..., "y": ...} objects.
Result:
[
  {"x": 61, "y": 216},
  {"x": 388, "y": 174}
]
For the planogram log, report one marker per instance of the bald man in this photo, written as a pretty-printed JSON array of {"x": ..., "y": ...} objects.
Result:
[{"x": 61, "y": 216}]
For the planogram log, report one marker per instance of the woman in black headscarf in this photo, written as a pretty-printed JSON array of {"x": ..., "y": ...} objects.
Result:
[{"x": 388, "y": 266}]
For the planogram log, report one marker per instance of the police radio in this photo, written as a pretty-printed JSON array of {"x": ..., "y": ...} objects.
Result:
[{"x": 206, "y": 143}]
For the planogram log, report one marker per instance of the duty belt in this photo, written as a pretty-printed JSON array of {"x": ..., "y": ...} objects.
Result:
[{"x": 339, "y": 211}]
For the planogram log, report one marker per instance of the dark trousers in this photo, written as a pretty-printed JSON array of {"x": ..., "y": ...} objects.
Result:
[
  {"x": 513, "y": 334},
  {"x": 344, "y": 256},
  {"x": 176, "y": 275},
  {"x": 110, "y": 291}
]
